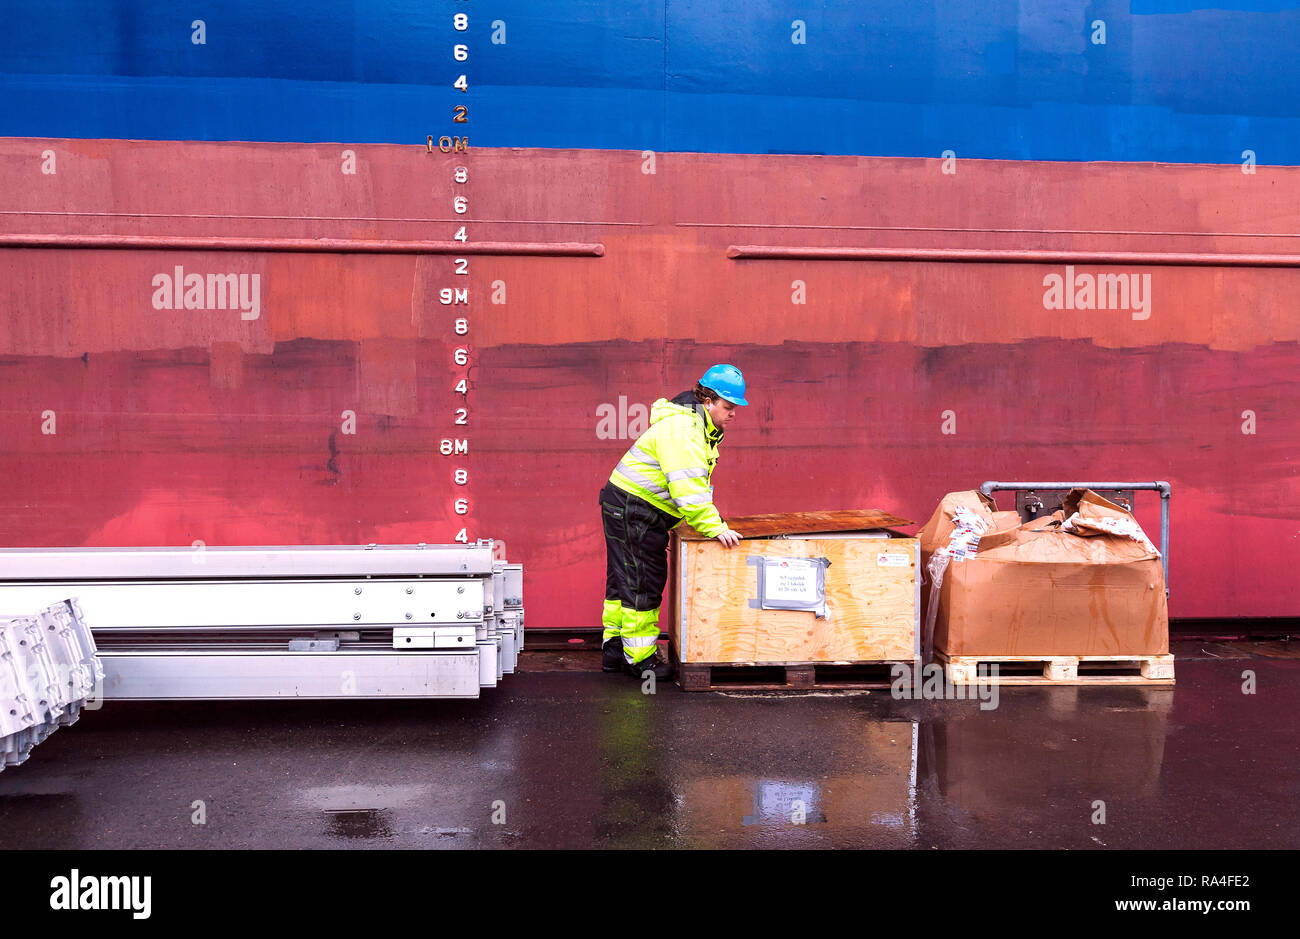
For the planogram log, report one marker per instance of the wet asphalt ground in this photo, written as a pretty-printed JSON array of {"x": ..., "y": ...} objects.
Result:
[{"x": 567, "y": 757}]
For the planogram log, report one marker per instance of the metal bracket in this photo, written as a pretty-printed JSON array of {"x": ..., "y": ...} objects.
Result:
[
  {"x": 313, "y": 645},
  {"x": 1031, "y": 504}
]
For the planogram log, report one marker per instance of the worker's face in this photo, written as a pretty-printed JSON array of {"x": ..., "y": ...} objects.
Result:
[{"x": 721, "y": 412}]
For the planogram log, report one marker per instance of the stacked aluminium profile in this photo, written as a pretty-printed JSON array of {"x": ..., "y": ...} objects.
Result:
[
  {"x": 508, "y": 608},
  {"x": 316, "y": 621},
  {"x": 48, "y": 673}
]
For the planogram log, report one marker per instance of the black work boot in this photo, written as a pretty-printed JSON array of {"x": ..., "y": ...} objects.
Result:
[
  {"x": 651, "y": 663},
  {"x": 611, "y": 659}
]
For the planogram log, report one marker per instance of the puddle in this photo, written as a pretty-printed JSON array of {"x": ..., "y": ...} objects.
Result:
[
  {"x": 363, "y": 798},
  {"x": 359, "y": 823}
]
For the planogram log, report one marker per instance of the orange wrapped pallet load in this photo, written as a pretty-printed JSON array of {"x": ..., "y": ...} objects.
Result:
[{"x": 1085, "y": 581}]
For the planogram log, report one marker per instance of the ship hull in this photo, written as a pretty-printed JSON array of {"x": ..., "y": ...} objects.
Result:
[{"x": 900, "y": 328}]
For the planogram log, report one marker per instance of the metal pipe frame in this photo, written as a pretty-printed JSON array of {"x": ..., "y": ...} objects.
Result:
[
  {"x": 1166, "y": 493},
  {"x": 1010, "y": 256},
  {"x": 557, "y": 249}
]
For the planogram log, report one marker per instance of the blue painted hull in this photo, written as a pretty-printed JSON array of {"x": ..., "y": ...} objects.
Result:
[{"x": 982, "y": 78}]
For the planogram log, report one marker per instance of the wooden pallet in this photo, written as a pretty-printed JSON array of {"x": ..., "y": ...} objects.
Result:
[
  {"x": 784, "y": 676},
  {"x": 1059, "y": 669}
]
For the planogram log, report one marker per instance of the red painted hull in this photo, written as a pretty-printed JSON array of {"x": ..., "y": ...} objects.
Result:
[{"x": 183, "y": 425}]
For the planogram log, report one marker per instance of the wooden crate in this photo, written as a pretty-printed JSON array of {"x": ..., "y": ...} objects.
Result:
[{"x": 872, "y": 608}]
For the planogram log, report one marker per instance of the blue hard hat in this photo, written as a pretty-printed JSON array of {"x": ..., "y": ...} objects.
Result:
[{"x": 727, "y": 381}]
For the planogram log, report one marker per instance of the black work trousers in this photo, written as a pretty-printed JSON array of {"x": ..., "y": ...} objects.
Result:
[{"x": 636, "y": 569}]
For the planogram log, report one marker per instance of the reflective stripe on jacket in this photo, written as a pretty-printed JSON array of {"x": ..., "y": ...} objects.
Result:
[{"x": 671, "y": 464}]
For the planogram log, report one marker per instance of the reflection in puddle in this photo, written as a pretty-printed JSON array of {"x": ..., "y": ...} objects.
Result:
[
  {"x": 1051, "y": 747},
  {"x": 861, "y": 783},
  {"x": 359, "y": 823},
  {"x": 341, "y": 798},
  {"x": 798, "y": 803}
]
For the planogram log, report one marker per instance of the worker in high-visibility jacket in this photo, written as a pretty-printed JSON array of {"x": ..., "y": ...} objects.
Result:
[{"x": 662, "y": 479}]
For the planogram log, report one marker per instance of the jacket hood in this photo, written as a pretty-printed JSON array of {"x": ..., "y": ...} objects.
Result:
[{"x": 685, "y": 403}]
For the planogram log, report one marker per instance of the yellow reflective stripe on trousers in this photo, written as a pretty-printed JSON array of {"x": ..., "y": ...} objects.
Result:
[
  {"x": 611, "y": 619},
  {"x": 640, "y": 633}
]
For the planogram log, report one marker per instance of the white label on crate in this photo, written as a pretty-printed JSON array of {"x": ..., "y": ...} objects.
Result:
[
  {"x": 791, "y": 580},
  {"x": 894, "y": 560}
]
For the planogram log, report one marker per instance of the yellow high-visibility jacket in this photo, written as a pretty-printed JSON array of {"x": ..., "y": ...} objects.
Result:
[{"x": 671, "y": 464}]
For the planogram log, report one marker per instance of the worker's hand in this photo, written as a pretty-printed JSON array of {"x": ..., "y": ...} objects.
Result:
[{"x": 729, "y": 538}]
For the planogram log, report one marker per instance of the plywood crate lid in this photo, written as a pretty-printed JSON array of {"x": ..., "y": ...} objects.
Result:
[{"x": 803, "y": 523}]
